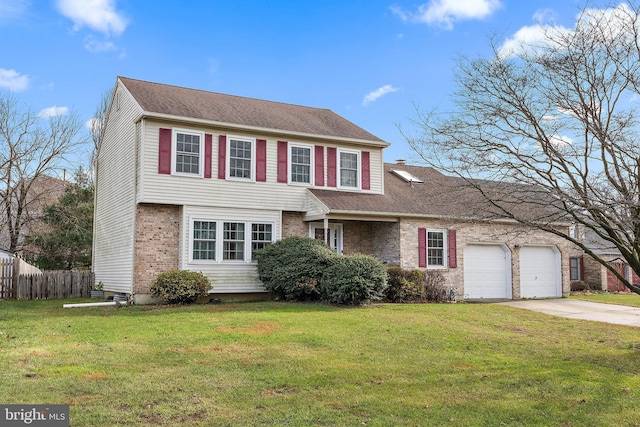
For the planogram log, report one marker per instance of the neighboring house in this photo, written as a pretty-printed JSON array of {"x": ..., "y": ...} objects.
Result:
[
  {"x": 198, "y": 180},
  {"x": 43, "y": 190},
  {"x": 594, "y": 275}
]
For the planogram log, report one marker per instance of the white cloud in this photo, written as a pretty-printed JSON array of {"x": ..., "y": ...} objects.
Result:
[
  {"x": 445, "y": 12},
  {"x": 12, "y": 80},
  {"x": 98, "y": 15},
  {"x": 545, "y": 31},
  {"x": 53, "y": 112},
  {"x": 96, "y": 46},
  {"x": 374, "y": 95},
  {"x": 559, "y": 141}
]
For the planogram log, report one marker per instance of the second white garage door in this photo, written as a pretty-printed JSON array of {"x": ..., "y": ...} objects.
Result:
[
  {"x": 486, "y": 272},
  {"x": 540, "y": 272}
]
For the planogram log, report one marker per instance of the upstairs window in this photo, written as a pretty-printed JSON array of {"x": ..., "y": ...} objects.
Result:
[
  {"x": 349, "y": 163},
  {"x": 188, "y": 149},
  {"x": 300, "y": 164},
  {"x": 241, "y": 158}
]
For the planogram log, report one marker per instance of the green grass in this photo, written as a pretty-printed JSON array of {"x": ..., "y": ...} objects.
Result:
[
  {"x": 302, "y": 364},
  {"x": 629, "y": 299}
]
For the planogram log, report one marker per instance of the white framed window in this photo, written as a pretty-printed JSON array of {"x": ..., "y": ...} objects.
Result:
[
  {"x": 187, "y": 152},
  {"x": 436, "y": 249},
  {"x": 233, "y": 241},
  {"x": 241, "y": 155},
  {"x": 349, "y": 168},
  {"x": 220, "y": 241},
  {"x": 300, "y": 164},
  {"x": 261, "y": 236},
  {"x": 203, "y": 243},
  {"x": 317, "y": 231}
]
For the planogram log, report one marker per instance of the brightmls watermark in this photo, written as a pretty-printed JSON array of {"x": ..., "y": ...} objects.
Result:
[{"x": 34, "y": 415}]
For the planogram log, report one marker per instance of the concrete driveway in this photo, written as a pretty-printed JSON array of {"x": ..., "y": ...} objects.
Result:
[{"x": 577, "y": 309}]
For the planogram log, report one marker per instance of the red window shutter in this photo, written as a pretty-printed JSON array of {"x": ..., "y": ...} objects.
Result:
[
  {"x": 331, "y": 166},
  {"x": 319, "y": 165},
  {"x": 222, "y": 156},
  {"x": 282, "y": 161},
  {"x": 581, "y": 260},
  {"x": 422, "y": 247},
  {"x": 164, "y": 151},
  {"x": 366, "y": 178},
  {"x": 261, "y": 160},
  {"x": 453, "y": 252},
  {"x": 208, "y": 149}
]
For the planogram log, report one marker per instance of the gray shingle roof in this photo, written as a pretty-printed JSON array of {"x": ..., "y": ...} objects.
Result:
[
  {"x": 237, "y": 110},
  {"x": 438, "y": 196}
]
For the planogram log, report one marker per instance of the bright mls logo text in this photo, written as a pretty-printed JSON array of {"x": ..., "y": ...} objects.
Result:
[{"x": 49, "y": 415}]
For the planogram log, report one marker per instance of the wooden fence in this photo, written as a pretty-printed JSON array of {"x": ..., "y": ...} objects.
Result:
[
  {"x": 48, "y": 285},
  {"x": 7, "y": 267}
]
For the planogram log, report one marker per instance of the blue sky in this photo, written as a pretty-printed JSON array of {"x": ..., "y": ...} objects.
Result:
[{"x": 370, "y": 61}]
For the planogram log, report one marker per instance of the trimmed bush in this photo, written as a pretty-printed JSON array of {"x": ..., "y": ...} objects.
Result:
[
  {"x": 405, "y": 286},
  {"x": 354, "y": 280},
  {"x": 412, "y": 286},
  {"x": 180, "y": 286},
  {"x": 291, "y": 268}
]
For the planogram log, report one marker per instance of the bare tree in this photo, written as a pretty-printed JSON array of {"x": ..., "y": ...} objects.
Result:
[
  {"x": 32, "y": 148},
  {"x": 560, "y": 116},
  {"x": 99, "y": 121}
]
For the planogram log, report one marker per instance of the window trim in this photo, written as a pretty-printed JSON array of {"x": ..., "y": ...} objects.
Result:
[
  {"x": 445, "y": 249},
  {"x": 219, "y": 241},
  {"x": 252, "y": 167},
  {"x": 192, "y": 240},
  {"x": 311, "y": 149},
  {"x": 174, "y": 152},
  {"x": 358, "y": 153}
]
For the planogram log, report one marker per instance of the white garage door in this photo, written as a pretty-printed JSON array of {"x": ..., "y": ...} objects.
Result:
[
  {"x": 540, "y": 275},
  {"x": 486, "y": 272}
]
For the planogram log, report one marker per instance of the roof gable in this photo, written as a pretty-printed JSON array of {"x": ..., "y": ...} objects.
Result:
[{"x": 216, "y": 107}]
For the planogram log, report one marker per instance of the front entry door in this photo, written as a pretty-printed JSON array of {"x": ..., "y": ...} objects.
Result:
[{"x": 317, "y": 231}]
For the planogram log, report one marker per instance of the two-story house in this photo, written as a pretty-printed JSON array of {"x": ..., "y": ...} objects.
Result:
[{"x": 197, "y": 180}]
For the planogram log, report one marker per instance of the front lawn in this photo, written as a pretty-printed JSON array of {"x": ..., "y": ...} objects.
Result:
[
  {"x": 303, "y": 364},
  {"x": 630, "y": 299}
]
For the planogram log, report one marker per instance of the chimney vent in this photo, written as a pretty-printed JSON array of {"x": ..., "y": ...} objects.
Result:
[{"x": 401, "y": 162}]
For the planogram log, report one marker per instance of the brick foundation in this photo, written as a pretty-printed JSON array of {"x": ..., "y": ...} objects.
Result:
[{"x": 157, "y": 239}]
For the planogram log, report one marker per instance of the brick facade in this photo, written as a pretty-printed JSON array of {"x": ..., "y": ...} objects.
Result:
[
  {"x": 293, "y": 225},
  {"x": 157, "y": 237},
  {"x": 511, "y": 236}
]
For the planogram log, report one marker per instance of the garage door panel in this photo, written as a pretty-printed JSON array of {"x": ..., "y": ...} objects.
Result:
[
  {"x": 486, "y": 272},
  {"x": 539, "y": 272}
]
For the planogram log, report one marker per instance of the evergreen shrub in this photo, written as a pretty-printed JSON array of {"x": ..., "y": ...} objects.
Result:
[{"x": 180, "y": 286}]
